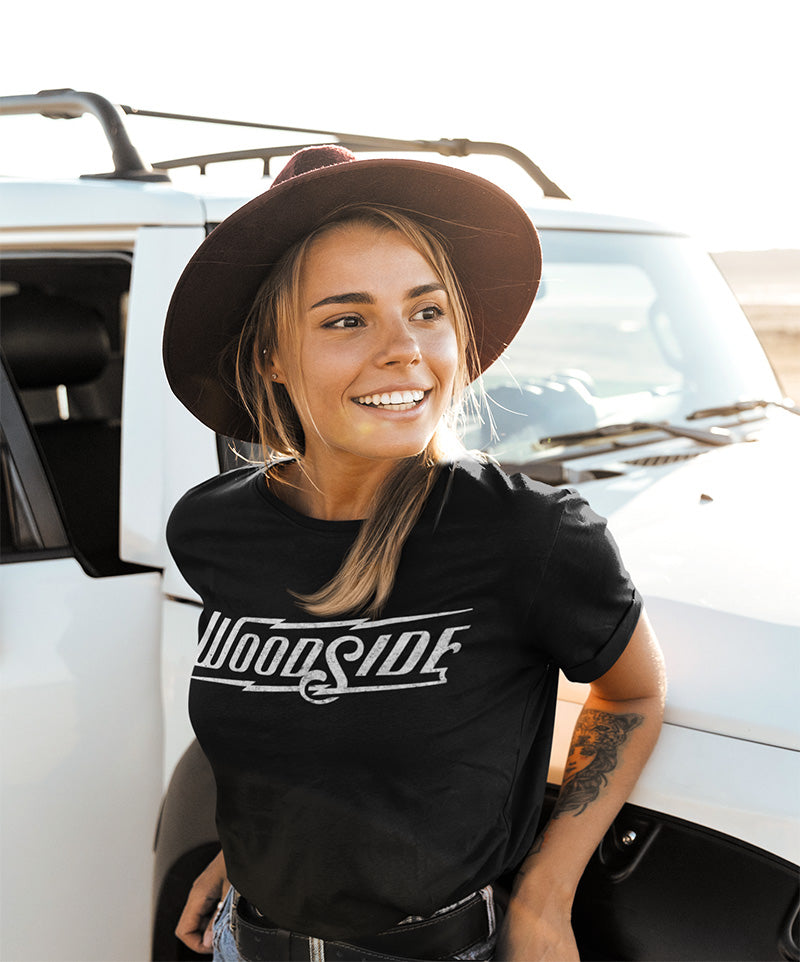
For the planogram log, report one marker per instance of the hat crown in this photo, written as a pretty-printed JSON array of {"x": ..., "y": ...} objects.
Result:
[{"x": 313, "y": 158}]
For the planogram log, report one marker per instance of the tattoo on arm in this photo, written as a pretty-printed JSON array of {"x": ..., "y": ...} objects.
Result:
[{"x": 599, "y": 736}]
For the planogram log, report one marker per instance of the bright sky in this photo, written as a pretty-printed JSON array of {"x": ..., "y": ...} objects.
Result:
[{"x": 683, "y": 111}]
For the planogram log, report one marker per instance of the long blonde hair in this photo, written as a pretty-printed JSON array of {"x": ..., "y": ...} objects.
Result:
[{"x": 365, "y": 579}]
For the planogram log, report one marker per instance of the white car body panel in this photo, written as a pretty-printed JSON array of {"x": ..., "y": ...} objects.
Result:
[
  {"x": 178, "y": 652},
  {"x": 80, "y": 713},
  {"x": 148, "y": 403},
  {"x": 70, "y": 204},
  {"x": 692, "y": 558},
  {"x": 740, "y": 788}
]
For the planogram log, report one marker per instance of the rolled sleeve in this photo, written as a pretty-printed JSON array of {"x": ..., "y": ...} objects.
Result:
[{"x": 600, "y": 663}]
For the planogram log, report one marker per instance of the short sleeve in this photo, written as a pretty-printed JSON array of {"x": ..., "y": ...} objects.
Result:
[
  {"x": 182, "y": 542},
  {"x": 585, "y": 607},
  {"x": 193, "y": 531}
]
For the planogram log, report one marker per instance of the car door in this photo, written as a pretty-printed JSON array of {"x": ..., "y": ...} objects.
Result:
[{"x": 81, "y": 729}]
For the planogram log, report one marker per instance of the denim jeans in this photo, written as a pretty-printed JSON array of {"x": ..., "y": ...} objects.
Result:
[{"x": 225, "y": 947}]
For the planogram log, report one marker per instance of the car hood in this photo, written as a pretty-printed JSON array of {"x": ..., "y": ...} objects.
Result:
[{"x": 713, "y": 544}]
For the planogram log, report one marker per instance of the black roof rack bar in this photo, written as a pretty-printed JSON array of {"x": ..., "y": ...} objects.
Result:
[
  {"x": 447, "y": 148},
  {"x": 67, "y": 104},
  {"x": 460, "y": 147},
  {"x": 464, "y": 147},
  {"x": 194, "y": 118},
  {"x": 254, "y": 153}
]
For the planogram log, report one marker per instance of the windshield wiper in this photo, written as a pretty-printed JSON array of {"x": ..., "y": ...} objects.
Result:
[
  {"x": 737, "y": 407},
  {"x": 715, "y": 436}
]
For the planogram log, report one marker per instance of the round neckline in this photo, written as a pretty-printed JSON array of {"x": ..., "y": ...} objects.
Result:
[{"x": 350, "y": 527}]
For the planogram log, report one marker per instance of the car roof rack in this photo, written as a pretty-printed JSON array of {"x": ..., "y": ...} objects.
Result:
[
  {"x": 66, "y": 104},
  {"x": 128, "y": 165},
  {"x": 459, "y": 147}
]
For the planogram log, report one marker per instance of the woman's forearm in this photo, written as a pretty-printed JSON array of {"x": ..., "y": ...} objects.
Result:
[
  {"x": 613, "y": 738},
  {"x": 610, "y": 745}
]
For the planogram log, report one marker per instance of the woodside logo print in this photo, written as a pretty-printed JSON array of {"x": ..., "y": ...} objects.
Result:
[{"x": 323, "y": 660}]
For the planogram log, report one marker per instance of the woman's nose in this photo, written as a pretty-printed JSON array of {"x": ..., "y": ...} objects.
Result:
[{"x": 399, "y": 344}]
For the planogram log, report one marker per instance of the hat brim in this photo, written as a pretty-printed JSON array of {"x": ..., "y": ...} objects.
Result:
[{"x": 493, "y": 245}]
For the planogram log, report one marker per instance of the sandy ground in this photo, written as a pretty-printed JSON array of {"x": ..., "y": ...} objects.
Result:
[{"x": 778, "y": 329}]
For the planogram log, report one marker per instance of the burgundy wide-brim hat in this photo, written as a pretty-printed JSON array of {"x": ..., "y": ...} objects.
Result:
[{"x": 493, "y": 246}]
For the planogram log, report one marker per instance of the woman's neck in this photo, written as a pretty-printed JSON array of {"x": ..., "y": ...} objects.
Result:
[{"x": 342, "y": 495}]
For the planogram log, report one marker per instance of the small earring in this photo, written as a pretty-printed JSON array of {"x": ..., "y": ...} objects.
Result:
[
  {"x": 264, "y": 351},
  {"x": 274, "y": 377}
]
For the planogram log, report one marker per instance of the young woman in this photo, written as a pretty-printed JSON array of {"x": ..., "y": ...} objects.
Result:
[{"x": 385, "y": 615}]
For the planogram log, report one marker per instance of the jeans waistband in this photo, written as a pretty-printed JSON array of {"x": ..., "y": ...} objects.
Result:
[{"x": 444, "y": 935}]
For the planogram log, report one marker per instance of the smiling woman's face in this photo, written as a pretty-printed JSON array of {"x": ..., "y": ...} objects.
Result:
[{"x": 377, "y": 351}]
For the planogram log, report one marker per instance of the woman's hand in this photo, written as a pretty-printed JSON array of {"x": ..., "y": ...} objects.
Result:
[
  {"x": 195, "y": 924},
  {"x": 536, "y": 935}
]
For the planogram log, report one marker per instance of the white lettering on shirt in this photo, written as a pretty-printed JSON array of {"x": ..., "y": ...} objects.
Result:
[{"x": 321, "y": 661}]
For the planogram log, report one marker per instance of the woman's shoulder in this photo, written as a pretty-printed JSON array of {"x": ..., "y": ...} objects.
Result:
[
  {"x": 484, "y": 484},
  {"x": 216, "y": 498},
  {"x": 224, "y": 487}
]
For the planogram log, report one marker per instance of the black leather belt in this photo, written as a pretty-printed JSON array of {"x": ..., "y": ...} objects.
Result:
[{"x": 439, "y": 937}]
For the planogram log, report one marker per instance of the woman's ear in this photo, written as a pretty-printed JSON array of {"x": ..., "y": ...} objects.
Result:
[
  {"x": 269, "y": 368},
  {"x": 274, "y": 371}
]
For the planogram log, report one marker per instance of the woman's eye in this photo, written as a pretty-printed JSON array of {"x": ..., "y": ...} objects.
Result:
[
  {"x": 349, "y": 320},
  {"x": 428, "y": 313}
]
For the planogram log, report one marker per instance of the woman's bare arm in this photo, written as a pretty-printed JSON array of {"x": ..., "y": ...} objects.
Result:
[{"x": 613, "y": 738}]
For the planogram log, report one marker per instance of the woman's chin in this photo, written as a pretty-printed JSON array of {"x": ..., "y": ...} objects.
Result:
[{"x": 383, "y": 450}]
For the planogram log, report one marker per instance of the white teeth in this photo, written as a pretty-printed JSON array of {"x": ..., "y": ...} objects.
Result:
[{"x": 404, "y": 400}]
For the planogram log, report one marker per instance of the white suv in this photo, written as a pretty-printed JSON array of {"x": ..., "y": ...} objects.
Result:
[{"x": 636, "y": 380}]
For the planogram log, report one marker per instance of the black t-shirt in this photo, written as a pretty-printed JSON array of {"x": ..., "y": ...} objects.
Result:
[{"x": 368, "y": 770}]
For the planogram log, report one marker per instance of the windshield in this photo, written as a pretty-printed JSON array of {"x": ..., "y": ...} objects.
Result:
[{"x": 626, "y": 327}]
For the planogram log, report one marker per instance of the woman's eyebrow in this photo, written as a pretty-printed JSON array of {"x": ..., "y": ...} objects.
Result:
[
  {"x": 354, "y": 297},
  {"x": 425, "y": 289},
  {"x": 362, "y": 297}
]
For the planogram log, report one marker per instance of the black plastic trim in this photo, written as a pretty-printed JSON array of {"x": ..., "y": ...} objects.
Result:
[
  {"x": 680, "y": 891},
  {"x": 30, "y": 468}
]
